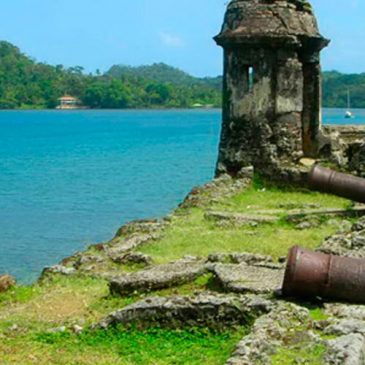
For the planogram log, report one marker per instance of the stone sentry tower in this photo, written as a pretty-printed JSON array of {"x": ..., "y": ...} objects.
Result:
[{"x": 272, "y": 85}]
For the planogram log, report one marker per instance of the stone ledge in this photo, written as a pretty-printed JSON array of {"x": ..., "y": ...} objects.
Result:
[
  {"x": 269, "y": 333},
  {"x": 243, "y": 278},
  {"x": 205, "y": 309},
  {"x": 158, "y": 277}
]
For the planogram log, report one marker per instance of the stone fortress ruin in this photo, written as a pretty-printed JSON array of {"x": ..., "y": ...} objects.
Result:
[
  {"x": 217, "y": 262},
  {"x": 272, "y": 92}
]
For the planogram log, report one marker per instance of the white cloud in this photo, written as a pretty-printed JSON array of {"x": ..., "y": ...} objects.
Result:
[{"x": 171, "y": 40}]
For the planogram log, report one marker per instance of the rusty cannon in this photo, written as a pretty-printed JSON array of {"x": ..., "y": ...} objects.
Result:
[
  {"x": 312, "y": 274},
  {"x": 344, "y": 185}
]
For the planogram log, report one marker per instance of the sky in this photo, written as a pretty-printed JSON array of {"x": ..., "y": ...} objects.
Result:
[{"x": 97, "y": 34}]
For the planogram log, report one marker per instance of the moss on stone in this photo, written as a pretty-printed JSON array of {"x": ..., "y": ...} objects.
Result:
[{"x": 300, "y": 354}]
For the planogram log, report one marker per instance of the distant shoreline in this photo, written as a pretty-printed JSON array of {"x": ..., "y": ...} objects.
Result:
[
  {"x": 102, "y": 109},
  {"x": 135, "y": 109}
]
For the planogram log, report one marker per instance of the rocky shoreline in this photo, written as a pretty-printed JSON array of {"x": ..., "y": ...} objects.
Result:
[{"x": 242, "y": 290}]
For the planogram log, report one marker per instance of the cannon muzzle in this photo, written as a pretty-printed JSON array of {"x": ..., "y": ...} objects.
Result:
[
  {"x": 343, "y": 185},
  {"x": 313, "y": 274}
]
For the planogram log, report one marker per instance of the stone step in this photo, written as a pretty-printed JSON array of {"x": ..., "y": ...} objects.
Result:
[
  {"x": 243, "y": 278},
  {"x": 205, "y": 309},
  {"x": 158, "y": 277}
]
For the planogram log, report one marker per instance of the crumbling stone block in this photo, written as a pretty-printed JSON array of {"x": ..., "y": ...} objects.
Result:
[
  {"x": 6, "y": 282},
  {"x": 158, "y": 277}
]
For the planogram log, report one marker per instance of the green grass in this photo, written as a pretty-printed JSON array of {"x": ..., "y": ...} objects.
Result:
[
  {"x": 81, "y": 300},
  {"x": 263, "y": 198},
  {"x": 55, "y": 302},
  {"x": 318, "y": 314},
  {"x": 19, "y": 294},
  {"x": 194, "y": 235},
  {"x": 299, "y": 354},
  {"x": 298, "y": 346},
  {"x": 64, "y": 301},
  {"x": 110, "y": 303},
  {"x": 119, "y": 346},
  {"x": 191, "y": 233}
]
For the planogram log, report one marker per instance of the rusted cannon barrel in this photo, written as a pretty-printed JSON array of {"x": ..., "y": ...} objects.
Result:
[
  {"x": 344, "y": 185},
  {"x": 312, "y": 274}
]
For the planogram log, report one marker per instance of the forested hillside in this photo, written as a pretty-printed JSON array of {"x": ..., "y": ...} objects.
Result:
[
  {"x": 336, "y": 85},
  {"x": 25, "y": 83},
  {"x": 163, "y": 73}
]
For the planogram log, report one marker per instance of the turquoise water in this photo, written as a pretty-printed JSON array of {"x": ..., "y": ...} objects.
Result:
[
  {"x": 336, "y": 116},
  {"x": 69, "y": 179}
]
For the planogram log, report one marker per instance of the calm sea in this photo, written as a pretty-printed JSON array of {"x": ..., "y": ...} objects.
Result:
[{"x": 69, "y": 179}]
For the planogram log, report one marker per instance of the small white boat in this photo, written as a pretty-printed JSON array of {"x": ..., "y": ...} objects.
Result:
[{"x": 349, "y": 114}]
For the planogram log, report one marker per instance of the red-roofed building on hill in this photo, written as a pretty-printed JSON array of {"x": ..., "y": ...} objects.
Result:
[{"x": 68, "y": 102}]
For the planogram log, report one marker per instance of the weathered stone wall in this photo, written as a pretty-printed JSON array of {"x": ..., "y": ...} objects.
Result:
[
  {"x": 312, "y": 103},
  {"x": 344, "y": 146},
  {"x": 271, "y": 117},
  {"x": 261, "y": 125}
]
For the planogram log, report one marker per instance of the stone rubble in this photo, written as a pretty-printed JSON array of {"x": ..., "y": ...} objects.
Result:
[
  {"x": 239, "y": 219},
  {"x": 6, "y": 283},
  {"x": 87, "y": 260},
  {"x": 133, "y": 258},
  {"x": 243, "y": 278},
  {"x": 351, "y": 244},
  {"x": 347, "y": 324},
  {"x": 158, "y": 277},
  {"x": 99, "y": 259},
  {"x": 205, "y": 309},
  {"x": 270, "y": 332},
  {"x": 58, "y": 269},
  {"x": 240, "y": 257},
  {"x": 238, "y": 274},
  {"x": 217, "y": 190},
  {"x": 146, "y": 226},
  {"x": 346, "y": 350},
  {"x": 123, "y": 245}
]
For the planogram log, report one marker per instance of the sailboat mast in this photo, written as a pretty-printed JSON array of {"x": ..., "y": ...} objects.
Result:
[
  {"x": 348, "y": 113},
  {"x": 348, "y": 99}
]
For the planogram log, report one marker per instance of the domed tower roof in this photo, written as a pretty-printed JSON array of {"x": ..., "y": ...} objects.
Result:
[{"x": 291, "y": 22}]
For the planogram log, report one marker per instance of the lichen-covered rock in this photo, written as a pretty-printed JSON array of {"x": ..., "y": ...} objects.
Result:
[
  {"x": 350, "y": 243},
  {"x": 120, "y": 245},
  {"x": 240, "y": 219},
  {"x": 158, "y": 277},
  {"x": 205, "y": 309},
  {"x": 271, "y": 332},
  {"x": 346, "y": 327},
  {"x": 357, "y": 161},
  {"x": 146, "y": 226},
  {"x": 347, "y": 323},
  {"x": 346, "y": 350},
  {"x": 58, "y": 269},
  {"x": 87, "y": 259},
  {"x": 339, "y": 310},
  {"x": 240, "y": 257},
  {"x": 217, "y": 190},
  {"x": 6, "y": 282},
  {"x": 243, "y": 278},
  {"x": 133, "y": 258}
]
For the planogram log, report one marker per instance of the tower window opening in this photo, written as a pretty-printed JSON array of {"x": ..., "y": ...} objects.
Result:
[{"x": 251, "y": 78}]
